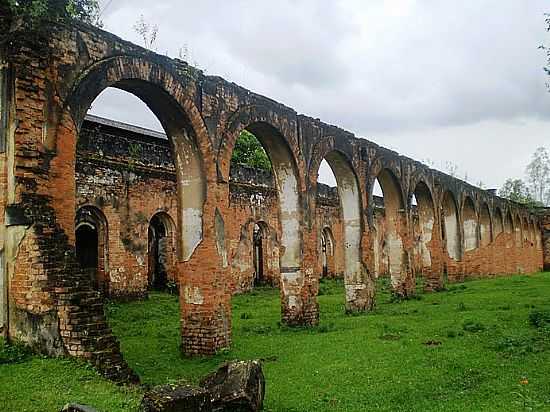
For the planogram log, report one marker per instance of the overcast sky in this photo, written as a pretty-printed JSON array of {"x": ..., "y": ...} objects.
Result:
[{"x": 445, "y": 81}]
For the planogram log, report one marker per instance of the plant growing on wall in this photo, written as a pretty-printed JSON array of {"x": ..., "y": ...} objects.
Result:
[{"x": 34, "y": 12}]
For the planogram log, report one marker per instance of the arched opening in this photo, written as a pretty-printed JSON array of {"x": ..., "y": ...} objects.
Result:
[
  {"x": 509, "y": 223},
  {"x": 538, "y": 236},
  {"x": 157, "y": 109},
  {"x": 169, "y": 101},
  {"x": 390, "y": 220},
  {"x": 526, "y": 232},
  {"x": 327, "y": 252},
  {"x": 423, "y": 216},
  {"x": 469, "y": 227},
  {"x": 160, "y": 252},
  {"x": 252, "y": 187},
  {"x": 485, "y": 232},
  {"x": 451, "y": 232},
  {"x": 381, "y": 263},
  {"x": 498, "y": 225},
  {"x": 533, "y": 233},
  {"x": 517, "y": 231},
  {"x": 286, "y": 178},
  {"x": 166, "y": 142},
  {"x": 350, "y": 212},
  {"x": 86, "y": 248},
  {"x": 259, "y": 238},
  {"x": 91, "y": 245}
]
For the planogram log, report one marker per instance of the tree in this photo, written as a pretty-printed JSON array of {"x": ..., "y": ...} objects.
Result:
[
  {"x": 249, "y": 151},
  {"x": 518, "y": 191},
  {"x": 546, "y": 48},
  {"x": 538, "y": 173},
  {"x": 147, "y": 32},
  {"x": 35, "y": 12}
]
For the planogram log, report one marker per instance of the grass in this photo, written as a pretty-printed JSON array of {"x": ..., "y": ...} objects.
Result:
[{"x": 483, "y": 345}]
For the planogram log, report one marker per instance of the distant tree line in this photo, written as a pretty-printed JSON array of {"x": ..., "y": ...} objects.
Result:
[{"x": 534, "y": 191}]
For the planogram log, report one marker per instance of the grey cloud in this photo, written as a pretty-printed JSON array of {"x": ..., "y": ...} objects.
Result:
[{"x": 382, "y": 69}]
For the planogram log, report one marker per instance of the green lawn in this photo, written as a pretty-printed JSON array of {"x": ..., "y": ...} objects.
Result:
[{"x": 466, "y": 349}]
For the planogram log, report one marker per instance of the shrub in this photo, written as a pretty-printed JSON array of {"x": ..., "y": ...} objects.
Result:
[
  {"x": 540, "y": 318},
  {"x": 14, "y": 353}
]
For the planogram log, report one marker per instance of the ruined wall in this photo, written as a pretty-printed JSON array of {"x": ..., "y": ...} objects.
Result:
[
  {"x": 329, "y": 218},
  {"x": 54, "y": 77},
  {"x": 128, "y": 174}
]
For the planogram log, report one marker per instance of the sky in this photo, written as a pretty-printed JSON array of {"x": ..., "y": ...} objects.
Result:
[{"x": 437, "y": 80}]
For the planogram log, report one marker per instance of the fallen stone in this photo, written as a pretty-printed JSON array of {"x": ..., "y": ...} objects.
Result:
[
  {"x": 176, "y": 398},
  {"x": 236, "y": 386},
  {"x": 75, "y": 407}
]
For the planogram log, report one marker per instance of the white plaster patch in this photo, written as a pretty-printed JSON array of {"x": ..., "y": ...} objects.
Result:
[
  {"x": 193, "y": 295},
  {"x": 470, "y": 236},
  {"x": 191, "y": 231}
]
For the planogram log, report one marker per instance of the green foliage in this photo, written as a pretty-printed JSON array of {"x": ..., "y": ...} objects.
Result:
[
  {"x": 538, "y": 173},
  {"x": 248, "y": 151},
  {"x": 518, "y": 191},
  {"x": 35, "y": 12},
  {"x": 13, "y": 353},
  {"x": 546, "y": 49},
  {"x": 540, "y": 318}
]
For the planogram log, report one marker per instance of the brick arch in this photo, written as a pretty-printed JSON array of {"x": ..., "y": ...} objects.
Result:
[
  {"x": 469, "y": 218},
  {"x": 525, "y": 230},
  {"x": 498, "y": 222},
  {"x": 518, "y": 228},
  {"x": 395, "y": 220},
  {"x": 486, "y": 235},
  {"x": 451, "y": 225},
  {"x": 170, "y": 248},
  {"x": 92, "y": 215},
  {"x": 425, "y": 230},
  {"x": 171, "y": 102},
  {"x": 359, "y": 290},
  {"x": 533, "y": 231},
  {"x": 271, "y": 131}
]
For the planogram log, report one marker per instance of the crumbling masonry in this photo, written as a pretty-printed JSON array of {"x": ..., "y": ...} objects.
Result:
[{"x": 48, "y": 298}]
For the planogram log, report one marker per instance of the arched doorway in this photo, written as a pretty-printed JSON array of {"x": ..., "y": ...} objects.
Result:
[
  {"x": 91, "y": 245},
  {"x": 498, "y": 223},
  {"x": 259, "y": 240},
  {"x": 341, "y": 172},
  {"x": 287, "y": 177},
  {"x": 423, "y": 216},
  {"x": 161, "y": 252},
  {"x": 485, "y": 226},
  {"x": 327, "y": 252},
  {"x": 168, "y": 98},
  {"x": 469, "y": 225},
  {"x": 86, "y": 243},
  {"x": 451, "y": 232},
  {"x": 391, "y": 225}
]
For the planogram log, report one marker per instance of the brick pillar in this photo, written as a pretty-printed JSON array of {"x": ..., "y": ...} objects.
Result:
[
  {"x": 300, "y": 286},
  {"x": 205, "y": 290}
]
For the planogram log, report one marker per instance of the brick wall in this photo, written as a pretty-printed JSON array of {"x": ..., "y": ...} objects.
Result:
[
  {"x": 128, "y": 175},
  {"x": 56, "y": 75}
]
